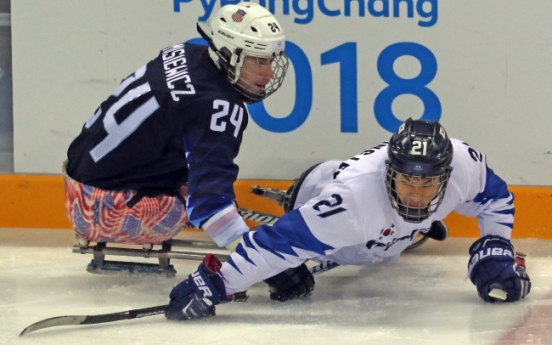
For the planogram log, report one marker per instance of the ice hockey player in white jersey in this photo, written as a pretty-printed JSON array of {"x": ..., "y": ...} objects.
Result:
[
  {"x": 368, "y": 210},
  {"x": 158, "y": 154}
]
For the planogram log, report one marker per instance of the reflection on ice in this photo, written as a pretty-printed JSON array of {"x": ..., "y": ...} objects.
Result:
[{"x": 423, "y": 298}]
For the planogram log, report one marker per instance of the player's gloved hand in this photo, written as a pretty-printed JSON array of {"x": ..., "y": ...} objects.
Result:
[
  {"x": 197, "y": 296},
  {"x": 291, "y": 283},
  {"x": 493, "y": 264}
]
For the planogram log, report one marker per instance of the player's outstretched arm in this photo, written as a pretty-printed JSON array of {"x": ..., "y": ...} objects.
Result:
[
  {"x": 197, "y": 296},
  {"x": 291, "y": 283},
  {"x": 493, "y": 265}
]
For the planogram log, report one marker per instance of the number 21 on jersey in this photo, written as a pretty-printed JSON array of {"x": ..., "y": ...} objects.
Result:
[{"x": 330, "y": 206}]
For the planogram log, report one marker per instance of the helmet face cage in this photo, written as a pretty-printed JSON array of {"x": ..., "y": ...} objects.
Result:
[
  {"x": 248, "y": 43},
  {"x": 260, "y": 77},
  {"x": 418, "y": 169},
  {"x": 418, "y": 187}
]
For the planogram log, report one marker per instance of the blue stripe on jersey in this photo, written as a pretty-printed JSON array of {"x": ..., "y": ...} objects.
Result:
[
  {"x": 510, "y": 225},
  {"x": 508, "y": 211},
  {"x": 233, "y": 264},
  {"x": 289, "y": 231},
  {"x": 241, "y": 251},
  {"x": 247, "y": 242},
  {"x": 265, "y": 246},
  {"x": 495, "y": 188},
  {"x": 211, "y": 171}
]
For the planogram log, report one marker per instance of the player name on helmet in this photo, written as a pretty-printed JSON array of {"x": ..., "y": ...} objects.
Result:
[{"x": 200, "y": 283}]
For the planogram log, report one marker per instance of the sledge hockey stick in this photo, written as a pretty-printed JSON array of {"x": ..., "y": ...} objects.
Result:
[
  {"x": 70, "y": 320},
  {"x": 323, "y": 267},
  {"x": 75, "y": 320}
]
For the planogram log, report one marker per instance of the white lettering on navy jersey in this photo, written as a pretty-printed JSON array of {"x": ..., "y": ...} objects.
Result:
[
  {"x": 174, "y": 64},
  {"x": 118, "y": 132},
  {"x": 219, "y": 125}
]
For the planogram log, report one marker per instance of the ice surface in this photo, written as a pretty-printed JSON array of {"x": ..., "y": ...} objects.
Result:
[{"x": 423, "y": 298}]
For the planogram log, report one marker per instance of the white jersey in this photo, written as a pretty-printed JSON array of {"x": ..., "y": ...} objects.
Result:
[{"x": 344, "y": 214}]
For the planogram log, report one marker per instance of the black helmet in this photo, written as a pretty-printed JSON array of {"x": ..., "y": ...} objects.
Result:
[{"x": 419, "y": 151}]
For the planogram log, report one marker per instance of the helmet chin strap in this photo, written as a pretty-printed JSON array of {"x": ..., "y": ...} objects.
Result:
[
  {"x": 409, "y": 214},
  {"x": 250, "y": 97},
  {"x": 413, "y": 215},
  {"x": 237, "y": 63},
  {"x": 225, "y": 58},
  {"x": 206, "y": 37}
]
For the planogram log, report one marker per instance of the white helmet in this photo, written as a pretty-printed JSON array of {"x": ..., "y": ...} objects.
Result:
[{"x": 248, "y": 34}]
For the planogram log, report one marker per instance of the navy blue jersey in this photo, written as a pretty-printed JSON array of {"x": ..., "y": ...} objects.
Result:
[{"x": 176, "y": 120}]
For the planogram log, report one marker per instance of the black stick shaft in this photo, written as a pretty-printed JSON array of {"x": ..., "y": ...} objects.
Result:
[
  {"x": 74, "y": 320},
  {"x": 126, "y": 315}
]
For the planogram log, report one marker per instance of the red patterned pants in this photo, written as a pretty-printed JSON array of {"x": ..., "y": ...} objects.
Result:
[{"x": 103, "y": 216}]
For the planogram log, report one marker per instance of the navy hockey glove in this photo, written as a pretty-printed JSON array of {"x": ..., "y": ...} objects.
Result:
[
  {"x": 291, "y": 283},
  {"x": 197, "y": 296},
  {"x": 493, "y": 264}
]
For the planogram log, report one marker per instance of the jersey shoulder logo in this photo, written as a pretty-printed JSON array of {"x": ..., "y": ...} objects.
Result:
[{"x": 386, "y": 241}]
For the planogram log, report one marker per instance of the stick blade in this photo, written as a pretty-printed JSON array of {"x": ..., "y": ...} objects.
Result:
[
  {"x": 53, "y": 322},
  {"x": 498, "y": 294}
]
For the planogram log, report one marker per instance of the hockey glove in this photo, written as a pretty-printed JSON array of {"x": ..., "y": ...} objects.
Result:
[
  {"x": 493, "y": 264},
  {"x": 197, "y": 296},
  {"x": 291, "y": 283}
]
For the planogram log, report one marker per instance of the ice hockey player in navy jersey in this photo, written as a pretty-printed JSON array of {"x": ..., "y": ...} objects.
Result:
[
  {"x": 367, "y": 210},
  {"x": 159, "y": 153}
]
